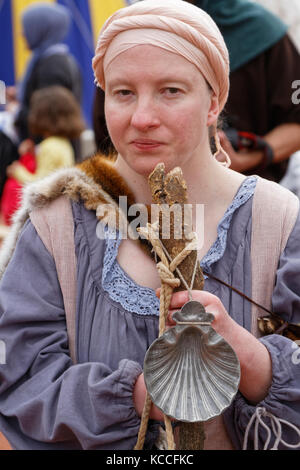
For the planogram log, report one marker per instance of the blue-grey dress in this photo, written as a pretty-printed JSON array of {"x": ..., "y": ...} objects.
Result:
[{"x": 48, "y": 403}]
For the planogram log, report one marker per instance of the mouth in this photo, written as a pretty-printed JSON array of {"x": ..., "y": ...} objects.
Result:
[{"x": 146, "y": 144}]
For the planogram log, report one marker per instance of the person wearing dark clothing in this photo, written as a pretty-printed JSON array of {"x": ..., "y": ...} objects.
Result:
[
  {"x": 263, "y": 66},
  {"x": 49, "y": 71},
  {"x": 45, "y": 26}
]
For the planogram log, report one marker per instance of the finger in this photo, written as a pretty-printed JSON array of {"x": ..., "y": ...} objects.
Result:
[
  {"x": 180, "y": 298},
  {"x": 169, "y": 320}
]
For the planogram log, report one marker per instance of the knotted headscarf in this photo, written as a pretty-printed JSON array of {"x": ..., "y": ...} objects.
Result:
[{"x": 173, "y": 25}]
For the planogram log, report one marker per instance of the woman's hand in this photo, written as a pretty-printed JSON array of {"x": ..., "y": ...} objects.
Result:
[
  {"x": 211, "y": 303},
  {"x": 139, "y": 397},
  {"x": 255, "y": 381}
]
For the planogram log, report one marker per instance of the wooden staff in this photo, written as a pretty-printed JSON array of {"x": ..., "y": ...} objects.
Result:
[{"x": 168, "y": 190}]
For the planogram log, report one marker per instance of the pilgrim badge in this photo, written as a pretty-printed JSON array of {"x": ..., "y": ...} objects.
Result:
[{"x": 191, "y": 373}]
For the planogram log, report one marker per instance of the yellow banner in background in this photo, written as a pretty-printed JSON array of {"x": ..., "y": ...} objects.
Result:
[{"x": 101, "y": 10}]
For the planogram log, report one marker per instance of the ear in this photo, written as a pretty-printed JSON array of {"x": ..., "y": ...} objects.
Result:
[{"x": 214, "y": 111}]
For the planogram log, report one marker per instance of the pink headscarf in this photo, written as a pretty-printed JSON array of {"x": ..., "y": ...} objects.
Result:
[{"x": 174, "y": 25}]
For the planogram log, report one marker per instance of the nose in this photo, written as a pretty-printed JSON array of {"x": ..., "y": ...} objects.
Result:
[{"x": 145, "y": 115}]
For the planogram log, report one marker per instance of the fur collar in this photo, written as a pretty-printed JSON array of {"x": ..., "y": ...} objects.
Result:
[{"x": 94, "y": 181}]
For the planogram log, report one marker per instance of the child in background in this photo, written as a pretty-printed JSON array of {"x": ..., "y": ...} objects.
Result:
[{"x": 56, "y": 117}]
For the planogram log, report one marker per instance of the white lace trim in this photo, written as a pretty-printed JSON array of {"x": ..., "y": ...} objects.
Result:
[
  {"x": 121, "y": 287},
  {"x": 217, "y": 250}
]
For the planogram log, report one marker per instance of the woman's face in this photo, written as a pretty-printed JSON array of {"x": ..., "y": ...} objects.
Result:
[{"x": 158, "y": 108}]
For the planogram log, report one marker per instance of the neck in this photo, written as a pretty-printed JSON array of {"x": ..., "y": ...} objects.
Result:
[
  {"x": 203, "y": 179},
  {"x": 137, "y": 183}
]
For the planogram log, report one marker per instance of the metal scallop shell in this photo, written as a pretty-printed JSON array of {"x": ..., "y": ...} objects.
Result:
[{"x": 191, "y": 373}]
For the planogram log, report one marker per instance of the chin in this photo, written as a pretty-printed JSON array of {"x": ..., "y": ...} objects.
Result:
[{"x": 145, "y": 166}]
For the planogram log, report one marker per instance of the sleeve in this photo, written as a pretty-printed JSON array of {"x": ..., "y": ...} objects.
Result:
[
  {"x": 280, "y": 409},
  {"x": 43, "y": 396}
]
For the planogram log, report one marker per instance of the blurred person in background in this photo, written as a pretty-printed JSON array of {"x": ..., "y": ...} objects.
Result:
[
  {"x": 262, "y": 123},
  {"x": 289, "y": 12},
  {"x": 45, "y": 26},
  {"x": 55, "y": 116}
]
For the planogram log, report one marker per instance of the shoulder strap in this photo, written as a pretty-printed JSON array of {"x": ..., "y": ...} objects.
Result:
[
  {"x": 55, "y": 226},
  {"x": 274, "y": 213}
]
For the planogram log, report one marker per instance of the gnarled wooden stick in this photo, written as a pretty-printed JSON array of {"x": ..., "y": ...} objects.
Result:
[{"x": 168, "y": 190}]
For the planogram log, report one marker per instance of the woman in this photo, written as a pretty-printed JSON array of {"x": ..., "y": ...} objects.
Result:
[
  {"x": 164, "y": 67},
  {"x": 45, "y": 26}
]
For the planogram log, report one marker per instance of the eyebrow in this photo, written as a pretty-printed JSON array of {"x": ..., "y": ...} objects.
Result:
[{"x": 166, "y": 79}]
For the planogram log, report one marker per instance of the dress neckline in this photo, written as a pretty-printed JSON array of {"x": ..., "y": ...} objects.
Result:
[{"x": 142, "y": 300}]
